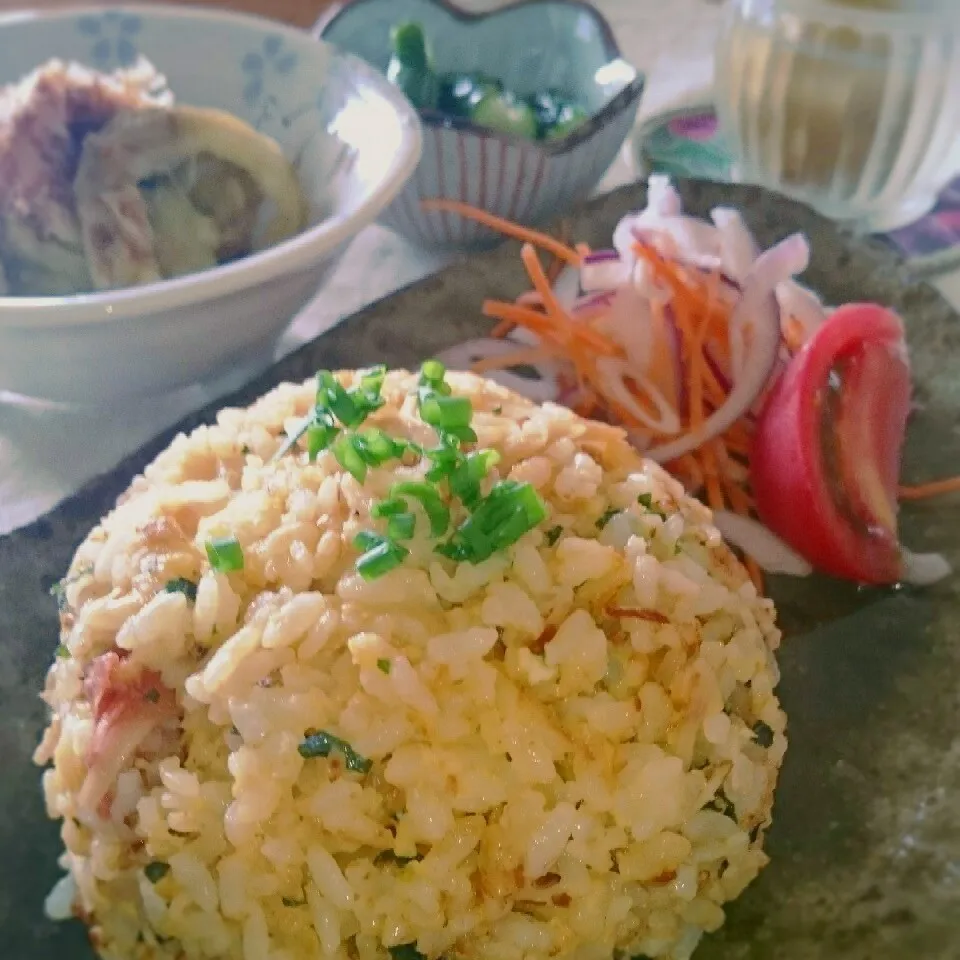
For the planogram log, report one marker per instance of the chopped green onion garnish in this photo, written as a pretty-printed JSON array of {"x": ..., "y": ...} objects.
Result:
[
  {"x": 388, "y": 856},
  {"x": 225, "y": 554},
  {"x": 348, "y": 455},
  {"x": 438, "y": 513},
  {"x": 553, "y": 535},
  {"x": 371, "y": 379},
  {"x": 468, "y": 474},
  {"x": 156, "y": 871},
  {"x": 432, "y": 373},
  {"x": 63, "y": 652},
  {"x": 365, "y": 540},
  {"x": 401, "y": 526},
  {"x": 383, "y": 665},
  {"x": 381, "y": 559},
  {"x": 333, "y": 396},
  {"x": 444, "y": 459},
  {"x": 380, "y": 448},
  {"x": 181, "y": 585},
  {"x": 763, "y": 734},
  {"x": 509, "y": 511},
  {"x": 462, "y": 434},
  {"x": 646, "y": 501},
  {"x": 322, "y": 744},
  {"x": 608, "y": 515},
  {"x": 320, "y": 434},
  {"x": 389, "y": 508},
  {"x": 59, "y": 592},
  {"x": 446, "y": 413},
  {"x": 406, "y": 951},
  {"x": 350, "y": 407}
]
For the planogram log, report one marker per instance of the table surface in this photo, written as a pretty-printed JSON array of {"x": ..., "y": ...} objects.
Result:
[{"x": 47, "y": 453}]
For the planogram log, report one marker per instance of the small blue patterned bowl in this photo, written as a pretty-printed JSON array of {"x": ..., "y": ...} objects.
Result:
[
  {"x": 353, "y": 140},
  {"x": 531, "y": 46}
]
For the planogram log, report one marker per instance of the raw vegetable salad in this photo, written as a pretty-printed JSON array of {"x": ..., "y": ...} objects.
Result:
[
  {"x": 546, "y": 115},
  {"x": 785, "y": 415}
]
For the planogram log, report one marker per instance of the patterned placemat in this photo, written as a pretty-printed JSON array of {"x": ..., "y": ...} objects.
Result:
[{"x": 687, "y": 142}]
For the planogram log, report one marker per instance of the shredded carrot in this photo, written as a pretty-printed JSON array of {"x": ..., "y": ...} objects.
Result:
[
  {"x": 502, "y": 329},
  {"x": 755, "y": 573},
  {"x": 526, "y": 234},
  {"x": 557, "y": 328},
  {"x": 711, "y": 474},
  {"x": 583, "y": 249},
  {"x": 924, "y": 491}
]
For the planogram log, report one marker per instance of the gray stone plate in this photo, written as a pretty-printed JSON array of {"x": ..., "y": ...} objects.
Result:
[{"x": 866, "y": 840}]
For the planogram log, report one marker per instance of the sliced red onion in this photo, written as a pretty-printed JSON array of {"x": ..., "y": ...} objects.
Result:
[
  {"x": 601, "y": 256},
  {"x": 570, "y": 396},
  {"x": 628, "y": 321},
  {"x": 524, "y": 336},
  {"x": 464, "y": 355},
  {"x": 738, "y": 249},
  {"x": 613, "y": 371},
  {"x": 624, "y": 238},
  {"x": 605, "y": 274},
  {"x": 566, "y": 288},
  {"x": 802, "y": 305},
  {"x": 924, "y": 569},
  {"x": 762, "y": 544},
  {"x": 781, "y": 262},
  {"x": 729, "y": 282},
  {"x": 758, "y": 310},
  {"x": 645, "y": 283},
  {"x": 591, "y": 302},
  {"x": 662, "y": 196},
  {"x": 689, "y": 239}
]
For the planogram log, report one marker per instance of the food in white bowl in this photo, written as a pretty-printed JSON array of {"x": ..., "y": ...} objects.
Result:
[
  {"x": 400, "y": 666},
  {"x": 107, "y": 183},
  {"x": 317, "y": 104}
]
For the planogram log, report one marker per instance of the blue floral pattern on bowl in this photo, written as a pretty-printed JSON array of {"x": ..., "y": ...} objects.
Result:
[
  {"x": 113, "y": 37},
  {"x": 260, "y": 67}
]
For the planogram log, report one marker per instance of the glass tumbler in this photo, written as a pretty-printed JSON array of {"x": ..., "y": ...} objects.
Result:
[{"x": 852, "y": 106}]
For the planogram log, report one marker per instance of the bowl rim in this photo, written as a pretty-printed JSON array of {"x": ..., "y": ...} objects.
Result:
[
  {"x": 296, "y": 253},
  {"x": 620, "y": 101}
]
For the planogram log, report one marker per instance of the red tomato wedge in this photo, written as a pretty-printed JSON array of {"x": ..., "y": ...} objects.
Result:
[{"x": 827, "y": 447}]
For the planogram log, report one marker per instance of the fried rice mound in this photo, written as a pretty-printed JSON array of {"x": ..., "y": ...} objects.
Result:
[{"x": 567, "y": 750}]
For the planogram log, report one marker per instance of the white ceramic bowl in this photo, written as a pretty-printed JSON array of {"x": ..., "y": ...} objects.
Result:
[{"x": 354, "y": 141}]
